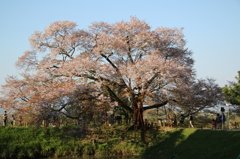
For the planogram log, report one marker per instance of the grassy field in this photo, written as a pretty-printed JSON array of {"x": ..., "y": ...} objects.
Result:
[{"x": 38, "y": 142}]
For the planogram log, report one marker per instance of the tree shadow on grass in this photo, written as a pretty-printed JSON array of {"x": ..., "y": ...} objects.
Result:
[{"x": 196, "y": 144}]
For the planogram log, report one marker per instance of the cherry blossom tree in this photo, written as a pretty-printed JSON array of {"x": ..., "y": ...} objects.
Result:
[{"x": 129, "y": 60}]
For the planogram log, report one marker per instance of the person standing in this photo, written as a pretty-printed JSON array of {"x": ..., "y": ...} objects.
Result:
[
  {"x": 191, "y": 121},
  {"x": 218, "y": 121},
  {"x": 213, "y": 124},
  {"x": 223, "y": 119},
  {"x": 5, "y": 118},
  {"x": 182, "y": 120},
  {"x": 13, "y": 121},
  {"x": 174, "y": 121}
]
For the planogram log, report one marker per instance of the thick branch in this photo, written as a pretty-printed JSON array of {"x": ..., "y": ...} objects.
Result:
[
  {"x": 115, "y": 67},
  {"x": 71, "y": 117},
  {"x": 120, "y": 102},
  {"x": 155, "y": 106}
]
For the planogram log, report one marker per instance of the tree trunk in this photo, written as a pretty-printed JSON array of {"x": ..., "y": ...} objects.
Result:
[
  {"x": 139, "y": 123},
  {"x": 142, "y": 126}
]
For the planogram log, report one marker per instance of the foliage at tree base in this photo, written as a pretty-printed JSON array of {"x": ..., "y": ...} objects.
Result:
[
  {"x": 36, "y": 142},
  {"x": 39, "y": 142}
]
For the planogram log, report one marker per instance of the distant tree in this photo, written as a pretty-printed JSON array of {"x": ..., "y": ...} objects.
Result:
[
  {"x": 128, "y": 60},
  {"x": 232, "y": 91}
]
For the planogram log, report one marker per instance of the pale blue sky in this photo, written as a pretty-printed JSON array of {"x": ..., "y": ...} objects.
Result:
[{"x": 212, "y": 28}]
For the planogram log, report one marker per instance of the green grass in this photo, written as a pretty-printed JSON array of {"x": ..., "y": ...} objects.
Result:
[
  {"x": 38, "y": 142},
  {"x": 31, "y": 142},
  {"x": 197, "y": 144}
]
